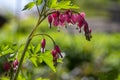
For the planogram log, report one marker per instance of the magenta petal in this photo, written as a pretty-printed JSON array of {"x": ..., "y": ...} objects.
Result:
[
  {"x": 56, "y": 22},
  {"x": 82, "y": 14},
  {"x": 74, "y": 18}
]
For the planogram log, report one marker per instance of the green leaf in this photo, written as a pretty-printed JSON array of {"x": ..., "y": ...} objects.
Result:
[
  {"x": 62, "y": 5},
  {"x": 38, "y": 2},
  {"x": 20, "y": 77},
  {"x": 29, "y": 6},
  {"x": 40, "y": 59},
  {"x": 37, "y": 49},
  {"x": 51, "y": 3},
  {"x": 41, "y": 79},
  {"x": 34, "y": 61},
  {"x": 60, "y": 61},
  {"x": 48, "y": 59}
]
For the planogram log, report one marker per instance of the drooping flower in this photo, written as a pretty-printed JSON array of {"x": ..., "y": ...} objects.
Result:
[
  {"x": 71, "y": 18},
  {"x": 58, "y": 50},
  {"x": 55, "y": 56},
  {"x": 68, "y": 14},
  {"x": 15, "y": 64},
  {"x": 56, "y": 22},
  {"x": 50, "y": 19},
  {"x": 55, "y": 15},
  {"x": 74, "y": 18},
  {"x": 43, "y": 43},
  {"x": 6, "y": 66},
  {"x": 80, "y": 20},
  {"x": 87, "y": 31},
  {"x": 62, "y": 19}
]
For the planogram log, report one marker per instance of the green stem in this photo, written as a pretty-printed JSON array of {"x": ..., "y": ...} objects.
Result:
[
  {"x": 47, "y": 36},
  {"x": 26, "y": 46}
]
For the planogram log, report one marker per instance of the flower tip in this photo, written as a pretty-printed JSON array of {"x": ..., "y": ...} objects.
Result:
[{"x": 83, "y": 14}]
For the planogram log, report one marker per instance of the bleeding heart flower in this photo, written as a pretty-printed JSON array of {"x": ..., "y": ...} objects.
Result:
[
  {"x": 6, "y": 66},
  {"x": 50, "y": 19},
  {"x": 87, "y": 31},
  {"x": 58, "y": 50},
  {"x": 43, "y": 43},
  {"x": 80, "y": 21}
]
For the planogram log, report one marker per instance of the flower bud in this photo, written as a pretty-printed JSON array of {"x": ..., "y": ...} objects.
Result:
[
  {"x": 6, "y": 66},
  {"x": 87, "y": 31},
  {"x": 15, "y": 63},
  {"x": 53, "y": 53},
  {"x": 43, "y": 43},
  {"x": 50, "y": 20},
  {"x": 58, "y": 50}
]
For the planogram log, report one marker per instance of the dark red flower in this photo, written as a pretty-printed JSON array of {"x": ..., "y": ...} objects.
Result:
[
  {"x": 55, "y": 56},
  {"x": 87, "y": 31},
  {"x": 43, "y": 43},
  {"x": 58, "y": 50},
  {"x": 6, "y": 66},
  {"x": 80, "y": 20},
  {"x": 50, "y": 19}
]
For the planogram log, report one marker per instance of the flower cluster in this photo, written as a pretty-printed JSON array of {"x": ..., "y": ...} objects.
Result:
[
  {"x": 56, "y": 52},
  {"x": 69, "y": 17},
  {"x": 8, "y": 65}
]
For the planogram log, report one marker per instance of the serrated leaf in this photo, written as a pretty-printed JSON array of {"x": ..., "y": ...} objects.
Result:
[
  {"x": 34, "y": 61},
  {"x": 48, "y": 59},
  {"x": 38, "y": 2},
  {"x": 29, "y": 6}
]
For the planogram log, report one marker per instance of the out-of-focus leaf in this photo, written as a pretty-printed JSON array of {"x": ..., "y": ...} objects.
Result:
[
  {"x": 34, "y": 61},
  {"x": 8, "y": 51},
  {"x": 40, "y": 59},
  {"x": 51, "y": 3},
  {"x": 62, "y": 5},
  {"x": 48, "y": 59},
  {"x": 37, "y": 49},
  {"x": 60, "y": 61},
  {"x": 20, "y": 77},
  {"x": 38, "y": 2},
  {"x": 41, "y": 79},
  {"x": 29, "y": 6},
  {"x": 5, "y": 48},
  {"x": 4, "y": 78}
]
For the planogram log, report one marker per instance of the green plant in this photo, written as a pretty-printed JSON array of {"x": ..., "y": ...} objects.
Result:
[{"x": 59, "y": 13}]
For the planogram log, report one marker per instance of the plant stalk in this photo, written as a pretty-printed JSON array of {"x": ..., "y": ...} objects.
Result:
[{"x": 25, "y": 48}]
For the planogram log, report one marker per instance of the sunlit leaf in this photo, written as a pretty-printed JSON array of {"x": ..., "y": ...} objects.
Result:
[
  {"x": 37, "y": 49},
  {"x": 48, "y": 59},
  {"x": 34, "y": 61},
  {"x": 60, "y": 61},
  {"x": 4, "y": 78},
  {"x": 38, "y": 2},
  {"x": 20, "y": 77},
  {"x": 29, "y": 6},
  {"x": 62, "y": 5},
  {"x": 51, "y": 3},
  {"x": 41, "y": 79}
]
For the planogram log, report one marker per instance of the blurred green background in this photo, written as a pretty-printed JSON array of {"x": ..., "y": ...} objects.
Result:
[{"x": 98, "y": 59}]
